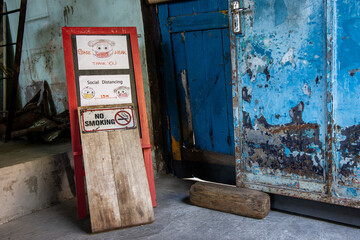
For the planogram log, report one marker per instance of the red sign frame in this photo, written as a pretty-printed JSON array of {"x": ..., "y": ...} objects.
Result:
[{"x": 73, "y": 105}]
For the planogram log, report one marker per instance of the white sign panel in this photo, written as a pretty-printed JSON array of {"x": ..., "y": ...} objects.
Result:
[
  {"x": 107, "y": 119},
  {"x": 102, "y": 52},
  {"x": 104, "y": 89}
]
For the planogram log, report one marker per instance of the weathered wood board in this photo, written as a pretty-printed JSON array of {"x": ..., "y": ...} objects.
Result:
[
  {"x": 230, "y": 199},
  {"x": 117, "y": 187}
]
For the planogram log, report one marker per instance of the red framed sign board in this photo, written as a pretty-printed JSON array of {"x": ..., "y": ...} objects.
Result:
[{"x": 103, "y": 68}]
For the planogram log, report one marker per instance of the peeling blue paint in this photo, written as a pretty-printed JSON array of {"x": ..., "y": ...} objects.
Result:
[
  {"x": 347, "y": 100},
  {"x": 352, "y": 192},
  {"x": 309, "y": 133},
  {"x": 280, "y": 12},
  {"x": 303, "y": 122},
  {"x": 274, "y": 58}
]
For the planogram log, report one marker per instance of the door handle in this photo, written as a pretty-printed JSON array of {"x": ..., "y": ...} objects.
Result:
[{"x": 236, "y": 12}]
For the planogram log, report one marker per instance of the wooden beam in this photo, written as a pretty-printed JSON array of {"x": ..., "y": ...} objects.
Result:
[
  {"x": 230, "y": 199},
  {"x": 197, "y": 22},
  {"x": 157, "y": 1}
]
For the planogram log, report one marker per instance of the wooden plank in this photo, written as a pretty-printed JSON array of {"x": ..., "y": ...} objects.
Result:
[
  {"x": 196, "y": 22},
  {"x": 207, "y": 83},
  {"x": 118, "y": 191},
  {"x": 223, "y": 5},
  {"x": 130, "y": 177},
  {"x": 199, "y": 88},
  {"x": 178, "y": 43},
  {"x": 207, "y": 6},
  {"x": 173, "y": 8},
  {"x": 230, "y": 199},
  {"x": 188, "y": 7},
  {"x": 101, "y": 188},
  {"x": 218, "y": 117},
  {"x": 228, "y": 87},
  {"x": 173, "y": 135}
]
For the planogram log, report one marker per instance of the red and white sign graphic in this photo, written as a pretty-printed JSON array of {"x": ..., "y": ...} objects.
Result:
[
  {"x": 123, "y": 118},
  {"x": 104, "y": 89},
  {"x": 102, "y": 52},
  {"x": 107, "y": 119}
]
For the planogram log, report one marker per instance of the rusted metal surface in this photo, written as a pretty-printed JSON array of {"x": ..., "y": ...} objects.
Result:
[
  {"x": 304, "y": 194},
  {"x": 237, "y": 114},
  {"x": 349, "y": 151},
  {"x": 294, "y": 148},
  {"x": 281, "y": 74},
  {"x": 346, "y": 100},
  {"x": 331, "y": 77},
  {"x": 296, "y": 104}
]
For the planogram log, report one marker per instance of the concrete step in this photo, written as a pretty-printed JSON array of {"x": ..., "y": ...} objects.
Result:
[{"x": 33, "y": 177}]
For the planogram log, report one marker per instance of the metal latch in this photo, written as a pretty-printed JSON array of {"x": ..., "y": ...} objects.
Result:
[{"x": 236, "y": 12}]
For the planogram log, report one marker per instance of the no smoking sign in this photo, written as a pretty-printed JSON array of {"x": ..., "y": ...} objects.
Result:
[
  {"x": 107, "y": 119},
  {"x": 123, "y": 118}
]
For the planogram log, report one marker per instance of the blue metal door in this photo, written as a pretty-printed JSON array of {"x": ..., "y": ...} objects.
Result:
[
  {"x": 296, "y": 104},
  {"x": 346, "y": 101},
  {"x": 195, "y": 39}
]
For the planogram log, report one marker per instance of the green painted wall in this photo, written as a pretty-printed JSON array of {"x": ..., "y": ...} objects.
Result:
[{"x": 43, "y": 57}]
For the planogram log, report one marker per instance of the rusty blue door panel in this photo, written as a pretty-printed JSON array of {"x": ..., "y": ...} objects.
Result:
[
  {"x": 347, "y": 101},
  {"x": 198, "y": 74},
  {"x": 295, "y": 96},
  {"x": 282, "y": 67}
]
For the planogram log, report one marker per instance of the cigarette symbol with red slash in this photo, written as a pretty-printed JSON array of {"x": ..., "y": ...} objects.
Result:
[{"x": 122, "y": 118}]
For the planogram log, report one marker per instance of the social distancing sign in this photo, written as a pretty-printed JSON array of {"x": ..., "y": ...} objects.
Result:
[
  {"x": 104, "y": 89},
  {"x": 107, "y": 119}
]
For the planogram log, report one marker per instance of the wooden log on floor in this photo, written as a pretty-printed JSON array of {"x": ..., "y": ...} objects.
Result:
[{"x": 230, "y": 199}]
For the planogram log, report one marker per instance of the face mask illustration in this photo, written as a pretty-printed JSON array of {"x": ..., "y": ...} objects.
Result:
[
  {"x": 88, "y": 93},
  {"x": 122, "y": 91},
  {"x": 102, "y": 48}
]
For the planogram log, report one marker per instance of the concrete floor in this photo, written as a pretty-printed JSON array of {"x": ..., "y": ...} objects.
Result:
[{"x": 176, "y": 219}]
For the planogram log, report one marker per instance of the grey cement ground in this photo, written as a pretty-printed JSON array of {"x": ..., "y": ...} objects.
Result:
[{"x": 176, "y": 219}]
